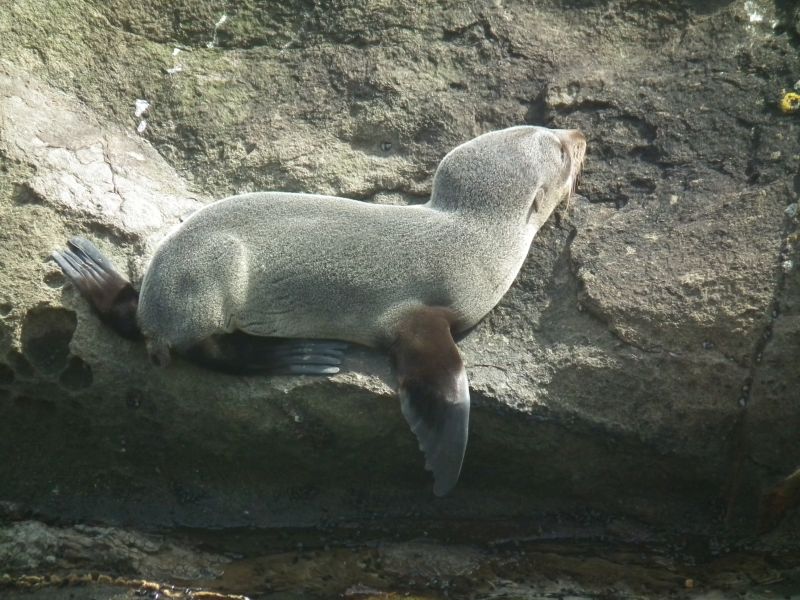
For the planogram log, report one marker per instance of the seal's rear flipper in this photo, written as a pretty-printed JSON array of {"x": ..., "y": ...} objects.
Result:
[
  {"x": 434, "y": 394},
  {"x": 242, "y": 354},
  {"x": 111, "y": 295}
]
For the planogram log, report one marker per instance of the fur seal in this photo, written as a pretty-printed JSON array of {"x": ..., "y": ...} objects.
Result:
[{"x": 275, "y": 282}]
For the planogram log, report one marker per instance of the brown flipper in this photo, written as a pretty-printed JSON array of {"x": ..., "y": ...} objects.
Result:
[
  {"x": 433, "y": 391},
  {"x": 111, "y": 295}
]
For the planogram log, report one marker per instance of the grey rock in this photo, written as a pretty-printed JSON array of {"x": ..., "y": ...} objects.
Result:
[
  {"x": 635, "y": 368},
  {"x": 32, "y": 547}
]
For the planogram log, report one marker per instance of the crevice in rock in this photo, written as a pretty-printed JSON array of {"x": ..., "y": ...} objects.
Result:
[
  {"x": 116, "y": 235},
  {"x": 787, "y": 11},
  {"x": 536, "y": 113},
  {"x": 46, "y": 334},
  {"x": 54, "y": 279},
  {"x": 591, "y": 106},
  {"x": 7, "y": 375},
  {"x": 22, "y": 367},
  {"x": 455, "y": 33},
  {"x": 752, "y": 171},
  {"x": 77, "y": 375},
  {"x": 740, "y": 449},
  {"x": 112, "y": 171},
  {"x": 23, "y": 193}
]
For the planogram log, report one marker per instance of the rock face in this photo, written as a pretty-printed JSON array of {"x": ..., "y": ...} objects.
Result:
[{"x": 644, "y": 365}]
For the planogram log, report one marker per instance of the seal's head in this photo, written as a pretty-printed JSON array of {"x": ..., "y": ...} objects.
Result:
[{"x": 517, "y": 175}]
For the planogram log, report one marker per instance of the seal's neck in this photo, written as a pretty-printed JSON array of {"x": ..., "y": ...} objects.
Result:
[{"x": 474, "y": 184}]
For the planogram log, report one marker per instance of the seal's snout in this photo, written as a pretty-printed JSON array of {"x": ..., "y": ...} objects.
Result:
[
  {"x": 574, "y": 140},
  {"x": 574, "y": 143}
]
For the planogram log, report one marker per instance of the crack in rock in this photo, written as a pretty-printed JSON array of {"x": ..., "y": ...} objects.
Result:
[{"x": 105, "y": 175}]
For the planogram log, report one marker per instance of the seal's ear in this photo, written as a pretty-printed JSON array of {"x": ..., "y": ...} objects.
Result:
[
  {"x": 433, "y": 390},
  {"x": 536, "y": 204}
]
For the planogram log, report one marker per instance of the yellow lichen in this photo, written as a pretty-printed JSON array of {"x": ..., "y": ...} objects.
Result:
[{"x": 790, "y": 102}]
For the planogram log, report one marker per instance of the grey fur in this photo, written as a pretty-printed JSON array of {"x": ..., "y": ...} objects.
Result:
[{"x": 299, "y": 265}]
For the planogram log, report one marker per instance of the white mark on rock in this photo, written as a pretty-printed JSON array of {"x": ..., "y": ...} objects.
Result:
[
  {"x": 178, "y": 67},
  {"x": 142, "y": 126},
  {"x": 141, "y": 107},
  {"x": 217, "y": 25},
  {"x": 791, "y": 210},
  {"x": 752, "y": 11}
]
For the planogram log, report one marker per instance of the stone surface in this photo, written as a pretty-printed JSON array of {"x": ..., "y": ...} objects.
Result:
[
  {"x": 31, "y": 547},
  {"x": 62, "y": 563},
  {"x": 643, "y": 365}
]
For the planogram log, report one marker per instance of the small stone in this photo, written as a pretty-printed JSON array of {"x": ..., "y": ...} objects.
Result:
[{"x": 791, "y": 210}]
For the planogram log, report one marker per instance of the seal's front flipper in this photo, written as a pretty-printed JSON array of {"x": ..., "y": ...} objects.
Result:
[
  {"x": 111, "y": 295},
  {"x": 433, "y": 390},
  {"x": 305, "y": 357},
  {"x": 243, "y": 354}
]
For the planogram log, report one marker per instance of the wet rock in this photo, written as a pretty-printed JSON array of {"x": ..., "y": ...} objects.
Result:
[
  {"x": 29, "y": 547},
  {"x": 267, "y": 564}
]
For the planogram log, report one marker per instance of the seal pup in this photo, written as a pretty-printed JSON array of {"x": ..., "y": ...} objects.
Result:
[{"x": 291, "y": 276}]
